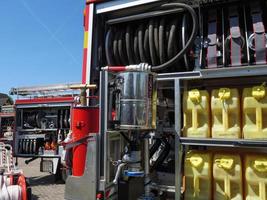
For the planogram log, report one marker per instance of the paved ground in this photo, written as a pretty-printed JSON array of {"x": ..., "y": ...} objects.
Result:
[{"x": 43, "y": 184}]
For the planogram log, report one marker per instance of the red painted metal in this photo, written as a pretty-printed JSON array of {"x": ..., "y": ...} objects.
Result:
[
  {"x": 94, "y": 1},
  {"x": 84, "y": 70},
  {"x": 2, "y": 114},
  {"x": 23, "y": 185},
  {"x": 85, "y": 120},
  {"x": 45, "y": 100},
  {"x": 85, "y": 50},
  {"x": 117, "y": 68}
]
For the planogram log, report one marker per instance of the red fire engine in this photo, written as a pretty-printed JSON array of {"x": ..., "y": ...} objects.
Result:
[{"x": 44, "y": 115}]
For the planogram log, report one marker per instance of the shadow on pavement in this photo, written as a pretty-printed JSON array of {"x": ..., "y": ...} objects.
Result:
[{"x": 44, "y": 180}]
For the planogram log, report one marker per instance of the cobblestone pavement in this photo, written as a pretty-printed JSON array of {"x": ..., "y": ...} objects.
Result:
[{"x": 43, "y": 184}]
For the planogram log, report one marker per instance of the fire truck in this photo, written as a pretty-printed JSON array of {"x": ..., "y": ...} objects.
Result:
[
  {"x": 42, "y": 125},
  {"x": 7, "y": 120},
  {"x": 169, "y": 122}
]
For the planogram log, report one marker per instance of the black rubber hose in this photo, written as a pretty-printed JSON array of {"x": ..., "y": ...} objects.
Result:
[
  {"x": 128, "y": 43},
  {"x": 152, "y": 49},
  {"x": 136, "y": 50},
  {"x": 162, "y": 55},
  {"x": 146, "y": 45},
  {"x": 156, "y": 37},
  {"x": 115, "y": 47},
  {"x": 141, "y": 43},
  {"x": 121, "y": 48},
  {"x": 190, "y": 41},
  {"x": 152, "y": 42},
  {"x": 108, "y": 46},
  {"x": 171, "y": 42}
]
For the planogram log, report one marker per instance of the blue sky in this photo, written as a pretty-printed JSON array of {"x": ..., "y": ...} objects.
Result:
[{"x": 41, "y": 42}]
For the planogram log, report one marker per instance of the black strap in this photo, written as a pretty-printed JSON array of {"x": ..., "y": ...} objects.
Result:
[
  {"x": 78, "y": 142},
  {"x": 235, "y": 40},
  {"x": 259, "y": 34},
  {"x": 212, "y": 37}
]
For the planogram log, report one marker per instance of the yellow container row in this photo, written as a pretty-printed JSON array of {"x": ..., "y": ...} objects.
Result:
[
  {"x": 219, "y": 116},
  {"x": 225, "y": 176}
]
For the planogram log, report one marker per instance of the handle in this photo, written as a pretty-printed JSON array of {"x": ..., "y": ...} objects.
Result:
[
  {"x": 196, "y": 186},
  {"x": 196, "y": 161},
  {"x": 259, "y": 118},
  {"x": 225, "y": 117},
  {"x": 227, "y": 187},
  {"x": 225, "y": 163},
  {"x": 194, "y": 118},
  {"x": 195, "y": 97},
  {"x": 262, "y": 191},
  {"x": 225, "y": 94},
  {"x": 258, "y": 92},
  {"x": 260, "y": 166}
]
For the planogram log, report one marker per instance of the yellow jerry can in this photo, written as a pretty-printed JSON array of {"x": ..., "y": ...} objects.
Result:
[
  {"x": 255, "y": 113},
  {"x": 225, "y": 109},
  {"x": 227, "y": 177},
  {"x": 256, "y": 177},
  {"x": 196, "y": 108},
  {"x": 198, "y": 176}
]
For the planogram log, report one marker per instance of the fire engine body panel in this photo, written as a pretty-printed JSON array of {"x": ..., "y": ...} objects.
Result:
[
  {"x": 40, "y": 123},
  {"x": 7, "y": 123},
  {"x": 43, "y": 124},
  {"x": 145, "y": 56}
]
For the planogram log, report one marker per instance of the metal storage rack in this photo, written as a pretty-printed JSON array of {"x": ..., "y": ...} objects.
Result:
[{"x": 181, "y": 142}]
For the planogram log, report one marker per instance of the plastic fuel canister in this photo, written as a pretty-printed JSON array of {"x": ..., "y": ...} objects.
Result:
[
  {"x": 196, "y": 105},
  {"x": 256, "y": 177},
  {"x": 255, "y": 113},
  {"x": 225, "y": 109},
  {"x": 198, "y": 175},
  {"x": 227, "y": 177}
]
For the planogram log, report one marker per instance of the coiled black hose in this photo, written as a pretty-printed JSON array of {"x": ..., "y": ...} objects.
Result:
[{"x": 153, "y": 41}]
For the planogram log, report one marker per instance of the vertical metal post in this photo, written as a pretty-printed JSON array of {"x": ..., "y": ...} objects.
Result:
[
  {"x": 103, "y": 128},
  {"x": 178, "y": 157},
  {"x": 146, "y": 162}
]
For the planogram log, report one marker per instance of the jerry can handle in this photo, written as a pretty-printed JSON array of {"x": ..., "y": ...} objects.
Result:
[
  {"x": 194, "y": 95},
  {"x": 196, "y": 161},
  {"x": 224, "y": 93},
  {"x": 260, "y": 166},
  {"x": 196, "y": 186},
  {"x": 225, "y": 163},
  {"x": 258, "y": 92},
  {"x": 262, "y": 191}
]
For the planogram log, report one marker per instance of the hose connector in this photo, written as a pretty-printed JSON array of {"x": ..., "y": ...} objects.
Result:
[{"x": 140, "y": 67}]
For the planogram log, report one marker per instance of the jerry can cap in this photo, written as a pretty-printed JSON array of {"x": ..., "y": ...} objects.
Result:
[
  {"x": 196, "y": 161},
  {"x": 194, "y": 95},
  {"x": 225, "y": 163},
  {"x": 224, "y": 93},
  {"x": 260, "y": 165},
  {"x": 258, "y": 92}
]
